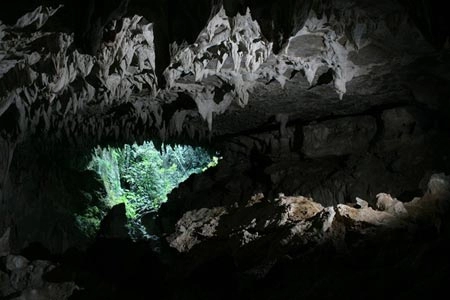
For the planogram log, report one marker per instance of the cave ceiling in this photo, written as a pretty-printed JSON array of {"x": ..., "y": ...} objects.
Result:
[
  {"x": 341, "y": 105},
  {"x": 128, "y": 70}
]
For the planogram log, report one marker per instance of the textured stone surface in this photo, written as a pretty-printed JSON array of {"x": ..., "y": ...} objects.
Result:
[
  {"x": 4, "y": 243},
  {"x": 334, "y": 101},
  {"x": 402, "y": 126},
  {"x": 225, "y": 70},
  {"x": 338, "y": 137},
  {"x": 300, "y": 208},
  {"x": 258, "y": 235},
  {"x": 195, "y": 226},
  {"x": 5, "y": 284},
  {"x": 305, "y": 45},
  {"x": 24, "y": 279},
  {"x": 16, "y": 262}
]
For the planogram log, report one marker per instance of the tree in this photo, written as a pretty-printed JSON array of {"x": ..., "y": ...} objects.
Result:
[{"x": 141, "y": 177}]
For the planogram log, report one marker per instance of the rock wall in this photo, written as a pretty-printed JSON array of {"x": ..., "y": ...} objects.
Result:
[
  {"x": 348, "y": 99},
  {"x": 331, "y": 118},
  {"x": 21, "y": 278},
  {"x": 333, "y": 161},
  {"x": 46, "y": 186}
]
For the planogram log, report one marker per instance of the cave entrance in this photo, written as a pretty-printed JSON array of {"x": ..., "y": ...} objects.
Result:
[{"x": 140, "y": 176}]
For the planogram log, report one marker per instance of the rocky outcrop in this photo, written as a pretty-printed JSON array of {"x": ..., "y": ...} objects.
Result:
[
  {"x": 268, "y": 249},
  {"x": 21, "y": 278},
  {"x": 58, "y": 91},
  {"x": 114, "y": 224},
  {"x": 338, "y": 137},
  {"x": 332, "y": 101},
  {"x": 195, "y": 226},
  {"x": 333, "y": 161},
  {"x": 260, "y": 234},
  {"x": 390, "y": 149}
]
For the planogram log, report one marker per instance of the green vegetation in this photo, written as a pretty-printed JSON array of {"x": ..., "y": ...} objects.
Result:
[
  {"x": 141, "y": 177},
  {"x": 89, "y": 221}
]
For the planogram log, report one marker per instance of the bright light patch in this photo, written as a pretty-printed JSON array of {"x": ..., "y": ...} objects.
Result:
[{"x": 141, "y": 176}]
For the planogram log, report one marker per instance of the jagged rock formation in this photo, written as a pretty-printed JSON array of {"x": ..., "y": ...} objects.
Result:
[
  {"x": 337, "y": 101},
  {"x": 346, "y": 80},
  {"x": 230, "y": 64},
  {"x": 24, "y": 279},
  {"x": 300, "y": 220}
]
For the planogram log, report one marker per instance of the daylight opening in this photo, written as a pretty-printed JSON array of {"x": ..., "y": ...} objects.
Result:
[{"x": 140, "y": 176}]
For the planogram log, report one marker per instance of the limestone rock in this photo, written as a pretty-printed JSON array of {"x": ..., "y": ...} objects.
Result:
[
  {"x": 367, "y": 215},
  {"x": 36, "y": 18},
  {"x": 195, "y": 226},
  {"x": 16, "y": 262},
  {"x": 19, "y": 279},
  {"x": 5, "y": 285},
  {"x": 256, "y": 198},
  {"x": 114, "y": 223},
  {"x": 300, "y": 208},
  {"x": 4, "y": 243},
  {"x": 434, "y": 205},
  {"x": 229, "y": 60},
  {"x": 401, "y": 127},
  {"x": 305, "y": 45},
  {"x": 338, "y": 137},
  {"x": 51, "y": 291},
  {"x": 391, "y": 205},
  {"x": 299, "y": 220},
  {"x": 439, "y": 185},
  {"x": 24, "y": 280}
]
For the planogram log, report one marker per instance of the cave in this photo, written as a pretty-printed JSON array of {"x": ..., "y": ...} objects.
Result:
[{"x": 331, "y": 118}]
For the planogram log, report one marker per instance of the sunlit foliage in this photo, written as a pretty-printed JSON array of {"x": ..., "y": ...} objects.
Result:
[{"x": 141, "y": 176}]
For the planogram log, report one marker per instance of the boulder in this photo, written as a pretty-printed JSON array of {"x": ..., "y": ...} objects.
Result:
[
  {"x": 300, "y": 208},
  {"x": 113, "y": 225},
  {"x": 16, "y": 262},
  {"x": 195, "y": 226},
  {"x": 390, "y": 205}
]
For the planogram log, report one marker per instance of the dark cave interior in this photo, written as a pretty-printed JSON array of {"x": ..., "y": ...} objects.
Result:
[{"x": 331, "y": 118}]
